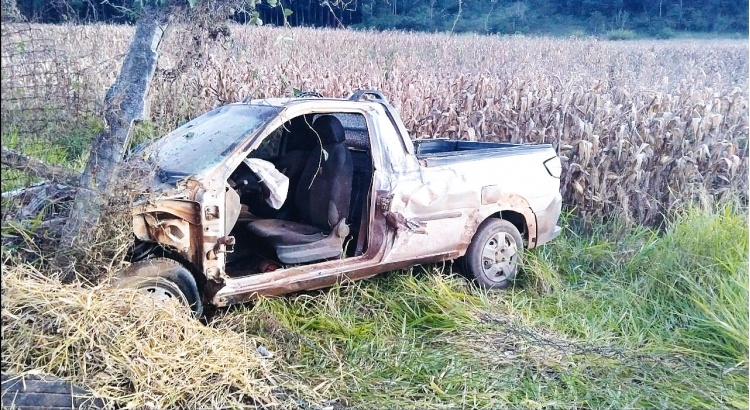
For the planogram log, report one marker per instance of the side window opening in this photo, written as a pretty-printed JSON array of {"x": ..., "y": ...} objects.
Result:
[{"x": 270, "y": 148}]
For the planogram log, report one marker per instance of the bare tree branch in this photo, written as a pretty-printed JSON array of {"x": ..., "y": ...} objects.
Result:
[{"x": 36, "y": 168}]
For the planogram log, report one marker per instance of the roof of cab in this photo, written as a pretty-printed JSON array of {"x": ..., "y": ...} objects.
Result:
[
  {"x": 286, "y": 101},
  {"x": 357, "y": 96}
]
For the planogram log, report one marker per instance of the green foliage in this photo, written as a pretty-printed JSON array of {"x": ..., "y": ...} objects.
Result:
[
  {"x": 698, "y": 274},
  {"x": 621, "y": 34},
  {"x": 559, "y": 18},
  {"x": 656, "y": 19},
  {"x": 142, "y": 133},
  {"x": 578, "y": 33},
  {"x": 255, "y": 19},
  {"x": 665, "y": 33},
  {"x": 684, "y": 290}
]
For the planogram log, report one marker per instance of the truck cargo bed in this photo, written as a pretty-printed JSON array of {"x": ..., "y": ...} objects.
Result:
[{"x": 440, "y": 151}]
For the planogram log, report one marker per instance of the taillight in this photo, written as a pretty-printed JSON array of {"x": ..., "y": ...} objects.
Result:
[{"x": 554, "y": 166}]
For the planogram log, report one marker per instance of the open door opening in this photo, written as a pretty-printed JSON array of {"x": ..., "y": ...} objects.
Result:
[{"x": 302, "y": 196}]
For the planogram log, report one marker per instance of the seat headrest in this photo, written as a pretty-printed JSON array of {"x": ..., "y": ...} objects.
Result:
[
  {"x": 329, "y": 129},
  {"x": 299, "y": 130}
]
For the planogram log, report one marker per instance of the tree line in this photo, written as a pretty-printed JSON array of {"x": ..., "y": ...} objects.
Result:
[
  {"x": 656, "y": 18},
  {"x": 560, "y": 17}
]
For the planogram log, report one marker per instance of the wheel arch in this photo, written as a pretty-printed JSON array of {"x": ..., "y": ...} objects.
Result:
[
  {"x": 514, "y": 217},
  {"x": 510, "y": 207}
]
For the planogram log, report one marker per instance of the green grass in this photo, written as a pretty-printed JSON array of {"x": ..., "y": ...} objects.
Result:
[
  {"x": 615, "y": 318},
  {"x": 64, "y": 144},
  {"x": 687, "y": 287}
]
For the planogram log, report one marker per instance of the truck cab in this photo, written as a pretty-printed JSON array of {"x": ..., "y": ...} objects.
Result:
[{"x": 280, "y": 195}]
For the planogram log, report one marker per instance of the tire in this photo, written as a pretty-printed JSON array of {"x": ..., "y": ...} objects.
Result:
[
  {"x": 46, "y": 392},
  {"x": 494, "y": 255},
  {"x": 163, "y": 278}
]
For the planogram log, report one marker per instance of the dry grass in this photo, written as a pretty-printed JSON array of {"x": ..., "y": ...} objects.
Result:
[
  {"x": 117, "y": 342},
  {"x": 133, "y": 351},
  {"x": 643, "y": 127}
]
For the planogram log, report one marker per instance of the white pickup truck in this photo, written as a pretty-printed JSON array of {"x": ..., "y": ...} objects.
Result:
[{"x": 280, "y": 195}]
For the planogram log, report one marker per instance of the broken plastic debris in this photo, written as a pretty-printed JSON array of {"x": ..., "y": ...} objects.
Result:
[{"x": 264, "y": 352}]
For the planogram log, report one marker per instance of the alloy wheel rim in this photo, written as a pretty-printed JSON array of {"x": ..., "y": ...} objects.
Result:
[{"x": 499, "y": 257}]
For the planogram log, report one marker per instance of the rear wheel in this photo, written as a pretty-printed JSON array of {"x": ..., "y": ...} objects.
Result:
[
  {"x": 163, "y": 279},
  {"x": 494, "y": 256}
]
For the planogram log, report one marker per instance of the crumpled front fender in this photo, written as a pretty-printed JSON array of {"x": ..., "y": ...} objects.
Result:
[{"x": 168, "y": 222}]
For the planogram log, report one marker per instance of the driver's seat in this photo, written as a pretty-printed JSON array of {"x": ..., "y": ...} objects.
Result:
[{"x": 321, "y": 200}]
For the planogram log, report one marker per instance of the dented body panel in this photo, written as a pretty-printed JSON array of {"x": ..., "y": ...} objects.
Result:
[{"x": 426, "y": 202}]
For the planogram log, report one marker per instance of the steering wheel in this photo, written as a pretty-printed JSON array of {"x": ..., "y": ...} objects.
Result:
[
  {"x": 245, "y": 181},
  {"x": 252, "y": 191}
]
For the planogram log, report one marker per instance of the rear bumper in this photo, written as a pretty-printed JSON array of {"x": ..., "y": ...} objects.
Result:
[
  {"x": 548, "y": 236},
  {"x": 546, "y": 221}
]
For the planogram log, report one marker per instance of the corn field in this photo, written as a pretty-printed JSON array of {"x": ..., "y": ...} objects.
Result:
[{"x": 643, "y": 127}]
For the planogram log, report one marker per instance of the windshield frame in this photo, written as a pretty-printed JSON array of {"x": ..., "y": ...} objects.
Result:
[{"x": 233, "y": 142}]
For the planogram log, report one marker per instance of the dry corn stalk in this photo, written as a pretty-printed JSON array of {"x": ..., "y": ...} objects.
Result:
[{"x": 642, "y": 127}]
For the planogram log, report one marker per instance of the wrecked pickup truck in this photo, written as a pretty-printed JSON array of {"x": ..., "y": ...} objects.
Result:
[{"x": 281, "y": 195}]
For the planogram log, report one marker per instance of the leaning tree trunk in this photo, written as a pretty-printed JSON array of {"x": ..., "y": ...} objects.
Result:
[{"x": 125, "y": 103}]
